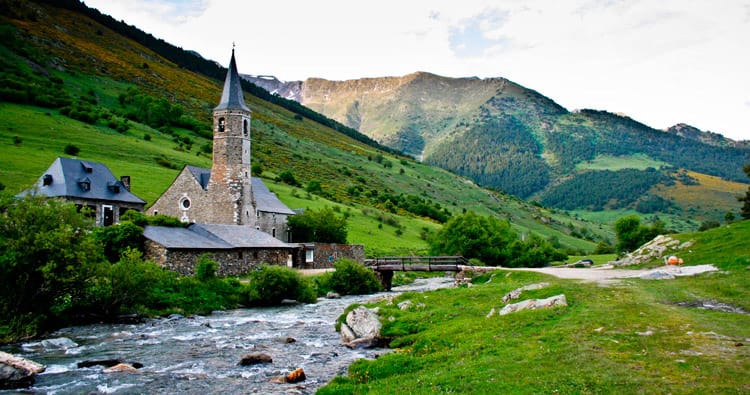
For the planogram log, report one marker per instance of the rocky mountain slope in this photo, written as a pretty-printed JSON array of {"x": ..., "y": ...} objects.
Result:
[{"x": 511, "y": 138}]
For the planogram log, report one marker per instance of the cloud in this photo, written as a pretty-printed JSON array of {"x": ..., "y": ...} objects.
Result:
[{"x": 479, "y": 35}]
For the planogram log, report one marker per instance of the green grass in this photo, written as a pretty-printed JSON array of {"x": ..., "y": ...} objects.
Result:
[
  {"x": 609, "y": 162},
  {"x": 630, "y": 337}
]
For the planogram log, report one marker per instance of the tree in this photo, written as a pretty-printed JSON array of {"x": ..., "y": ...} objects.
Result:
[
  {"x": 322, "y": 226},
  {"x": 745, "y": 210},
  {"x": 474, "y": 236},
  {"x": 47, "y": 254},
  {"x": 631, "y": 234}
]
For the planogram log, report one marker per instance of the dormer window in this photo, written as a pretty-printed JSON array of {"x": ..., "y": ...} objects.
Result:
[
  {"x": 222, "y": 124},
  {"x": 84, "y": 184},
  {"x": 87, "y": 167}
]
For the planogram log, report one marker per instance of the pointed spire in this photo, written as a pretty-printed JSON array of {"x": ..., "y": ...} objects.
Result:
[{"x": 231, "y": 97}]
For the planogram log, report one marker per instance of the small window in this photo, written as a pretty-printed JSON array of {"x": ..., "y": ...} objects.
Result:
[
  {"x": 47, "y": 180},
  {"x": 309, "y": 256},
  {"x": 222, "y": 124},
  {"x": 273, "y": 232},
  {"x": 245, "y": 127},
  {"x": 185, "y": 203}
]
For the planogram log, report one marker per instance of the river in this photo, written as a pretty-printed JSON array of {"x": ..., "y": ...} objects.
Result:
[{"x": 201, "y": 354}]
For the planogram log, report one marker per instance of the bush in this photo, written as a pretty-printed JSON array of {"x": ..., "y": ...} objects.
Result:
[
  {"x": 206, "y": 269},
  {"x": 72, "y": 150},
  {"x": 352, "y": 278},
  {"x": 287, "y": 178},
  {"x": 117, "y": 239},
  {"x": 269, "y": 285}
]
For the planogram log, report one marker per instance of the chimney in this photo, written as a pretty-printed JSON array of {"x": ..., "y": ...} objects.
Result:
[{"x": 125, "y": 180}]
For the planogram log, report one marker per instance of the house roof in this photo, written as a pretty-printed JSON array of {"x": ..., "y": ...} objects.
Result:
[
  {"x": 231, "y": 97},
  {"x": 265, "y": 200},
  {"x": 74, "y": 178},
  {"x": 203, "y": 236}
]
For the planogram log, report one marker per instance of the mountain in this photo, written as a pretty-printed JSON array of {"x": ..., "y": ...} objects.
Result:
[
  {"x": 73, "y": 79},
  {"x": 510, "y": 138}
]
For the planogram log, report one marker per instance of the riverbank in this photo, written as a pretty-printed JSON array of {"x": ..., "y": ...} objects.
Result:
[{"x": 201, "y": 354}]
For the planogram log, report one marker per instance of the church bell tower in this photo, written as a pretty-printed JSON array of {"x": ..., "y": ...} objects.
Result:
[{"x": 230, "y": 185}]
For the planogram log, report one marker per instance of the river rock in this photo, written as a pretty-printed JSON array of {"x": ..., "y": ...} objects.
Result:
[
  {"x": 108, "y": 363},
  {"x": 17, "y": 372},
  {"x": 405, "y": 305},
  {"x": 533, "y": 304},
  {"x": 364, "y": 325},
  {"x": 347, "y": 335},
  {"x": 255, "y": 358},
  {"x": 364, "y": 322},
  {"x": 296, "y": 376},
  {"x": 120, "y": 368},
  {"x": 333, "y": 295},
  {"x": 60, "y": 343}
]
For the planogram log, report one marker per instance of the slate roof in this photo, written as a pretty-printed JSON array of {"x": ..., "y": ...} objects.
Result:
[
  {"x": 75, "y": 178},
  {"x": 214, "y": 237},
  {"x": 231, "y": 97},
  {"x": 265, "y": 200}
]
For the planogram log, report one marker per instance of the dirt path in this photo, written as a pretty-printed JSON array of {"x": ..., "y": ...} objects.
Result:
[{"x": 606, "y": 274}]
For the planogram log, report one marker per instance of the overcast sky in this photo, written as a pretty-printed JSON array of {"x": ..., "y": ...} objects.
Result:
[{"x": 659, "y": 61}]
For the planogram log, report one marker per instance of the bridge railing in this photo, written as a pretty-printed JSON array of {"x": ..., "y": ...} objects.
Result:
[{"x": 417, "y": 263}]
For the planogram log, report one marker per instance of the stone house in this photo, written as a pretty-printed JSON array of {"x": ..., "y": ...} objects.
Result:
[
  {"x": 91, "y": 185},
  {"x": 238, "y": 248}
]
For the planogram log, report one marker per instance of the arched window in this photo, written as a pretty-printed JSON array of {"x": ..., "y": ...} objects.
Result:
[
  {"x": 222, "y": 124},
  {"x": 245, "y": 127}
]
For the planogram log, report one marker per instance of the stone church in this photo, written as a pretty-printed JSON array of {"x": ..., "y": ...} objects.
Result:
[{"x": 227, "y": 194}]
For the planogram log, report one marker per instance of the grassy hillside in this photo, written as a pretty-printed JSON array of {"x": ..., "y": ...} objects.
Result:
[
  {"x": 636, "y": 336},
  {"x": 60, "y": 53}
]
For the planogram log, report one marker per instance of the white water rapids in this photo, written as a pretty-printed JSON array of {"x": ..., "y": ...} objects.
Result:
[{"x": 201, "y": 354}]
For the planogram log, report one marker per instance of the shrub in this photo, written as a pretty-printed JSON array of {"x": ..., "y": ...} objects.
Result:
[
  {"x": 269, "y": 285},
  {"x": 72, "y": 150},
  {"x": 206, "y": 269},
  {"x": 352, "y": 278},
  {"x": 288, "y": 178},
  {"x": 117, "y": 239},
  {"x": 322, "y": 225}
]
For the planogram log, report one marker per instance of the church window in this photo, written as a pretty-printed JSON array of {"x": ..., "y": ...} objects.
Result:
[
  {"x": 245, "y": 128},
  {"x": 273, "y": 232},
  {"x": 185, "y": 203},
  {"x": 222, "y": 124}
]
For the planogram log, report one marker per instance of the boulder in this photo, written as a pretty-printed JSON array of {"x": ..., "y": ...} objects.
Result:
[
  {"x": 255, "y": 358},
  {"x": 17, "y": 372},
  {"x": 108, "y": 363},
  {"x": 654, "y": 249},
  {"x": 516, "y": 293},
  {"x": 347, "y": 335},
  {"x": 296, "y": 376},
  {"x": 333, "y": 295},
  {"x": 363, "y": 322},
  {"x": 405, "y": 305},
  {"x": 362, "y": 329},
  {"x": 533, "y": 304},
  {"x": 60, "y": 343},
  {"x": 120, "y": 368}
]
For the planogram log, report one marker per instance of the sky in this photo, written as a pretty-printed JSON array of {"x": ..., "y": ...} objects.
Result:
[{"x": 660, "y": 62}]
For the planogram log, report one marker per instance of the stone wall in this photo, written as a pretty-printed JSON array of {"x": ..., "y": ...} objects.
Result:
[
  {"x": 324, "y": 255},
  {"x": 185, "y": 186},
  {"x": 232, "y": 262},
  {"x": 268, "y": 222}
]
